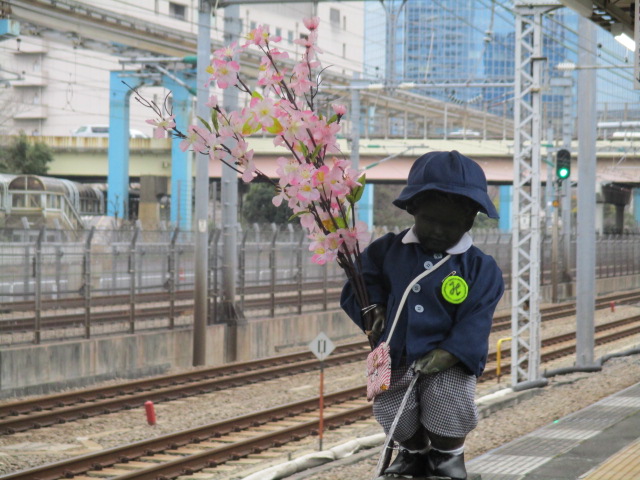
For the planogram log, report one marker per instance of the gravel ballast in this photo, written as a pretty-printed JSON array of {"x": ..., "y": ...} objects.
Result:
[{"x": 563, "y": 395}]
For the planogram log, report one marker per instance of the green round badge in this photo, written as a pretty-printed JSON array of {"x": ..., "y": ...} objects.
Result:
[{"x": 454, "y": 289}]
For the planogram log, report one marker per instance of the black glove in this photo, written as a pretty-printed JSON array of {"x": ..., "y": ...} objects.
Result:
[
  {"x": 374, "y": 315},
  {"x": 435, "y": 361}
]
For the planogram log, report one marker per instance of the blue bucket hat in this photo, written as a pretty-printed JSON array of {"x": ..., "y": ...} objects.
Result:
[{"x": 449, "y": 172}]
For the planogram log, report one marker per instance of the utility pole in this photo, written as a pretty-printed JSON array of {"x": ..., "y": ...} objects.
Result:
[
  {"x": 586, "y": 228},
  {"x": 393, "y": 13},
  {"x": 202, "y": 193},
  {"x": 229, "y": 201}
]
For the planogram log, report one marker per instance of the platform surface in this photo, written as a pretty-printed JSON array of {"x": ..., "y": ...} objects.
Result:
[{"x": 600, "y": 442}]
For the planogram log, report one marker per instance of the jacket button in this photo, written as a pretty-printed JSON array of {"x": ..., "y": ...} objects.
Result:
[
  {"x": 428, "y": 265},
  {"x": 416, "y": 288},
  {"x": 419, "y": 308}
]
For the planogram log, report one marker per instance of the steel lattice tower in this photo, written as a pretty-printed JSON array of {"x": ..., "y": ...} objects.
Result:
[{"x": 525, "y": 258}]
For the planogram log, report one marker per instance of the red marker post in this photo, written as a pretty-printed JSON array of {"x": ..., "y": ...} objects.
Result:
[
  {"x": 321, "y": 346},
  {"x": 151, "y": 412}
]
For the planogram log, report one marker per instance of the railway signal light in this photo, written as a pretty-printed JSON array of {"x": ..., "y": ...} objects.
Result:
[{"x": 563, "y": 164}]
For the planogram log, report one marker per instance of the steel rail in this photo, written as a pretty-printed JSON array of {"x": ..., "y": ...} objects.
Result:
[
  {"x": 563, "y": 351},
  {"x": 60, "y": 408},
  {"x": 160, "y": 296},
  {"x": 53, "y": 321},
  {"x": 105, "y": 458},
  {"x": 24, "y": 324}
]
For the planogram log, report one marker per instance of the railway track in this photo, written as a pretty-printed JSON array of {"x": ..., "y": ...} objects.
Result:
[
  {"x": 65, "y": 407},
  {"x": 53, "y": 315},
  {"x": 210, "y": 446},
  {"x": 255, "y": 298},
  {"x": 162, "y": 296}
]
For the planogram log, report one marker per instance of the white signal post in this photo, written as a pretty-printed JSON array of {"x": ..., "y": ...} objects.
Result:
[{"x": 321, "y": 346}]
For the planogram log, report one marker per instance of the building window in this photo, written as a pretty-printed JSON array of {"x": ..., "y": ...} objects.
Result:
[
  {"x": 178, "y": 11},
  {"x": 252, "y": 26},
  {"x": 278, "y": 32},
  {"x": 334, "y": 16},
  {"x": 290, "y": 36}
]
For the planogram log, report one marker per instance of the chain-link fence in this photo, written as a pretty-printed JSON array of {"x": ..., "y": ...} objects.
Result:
[{"x": 103, "y": 281}]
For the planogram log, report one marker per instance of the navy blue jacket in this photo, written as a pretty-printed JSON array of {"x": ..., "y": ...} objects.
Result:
[{"x": 428, "y": 321}]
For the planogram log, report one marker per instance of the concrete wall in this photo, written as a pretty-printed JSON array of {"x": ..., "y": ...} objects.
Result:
[{"x": 36, "y": 369}]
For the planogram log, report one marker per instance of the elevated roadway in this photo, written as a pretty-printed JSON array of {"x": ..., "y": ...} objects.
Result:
[{"x": 383, "y": 159}]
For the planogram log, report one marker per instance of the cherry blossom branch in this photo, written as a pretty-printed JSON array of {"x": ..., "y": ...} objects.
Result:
[{"x": 319, "y": 186}]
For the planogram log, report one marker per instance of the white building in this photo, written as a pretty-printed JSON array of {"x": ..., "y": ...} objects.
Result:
[{"x": 54, "y": 77}]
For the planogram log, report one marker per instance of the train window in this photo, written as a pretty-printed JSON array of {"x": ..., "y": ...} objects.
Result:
[
  {"x": 53, "y": 201},
  {"x": 34, "y": 201},
  {"x": 18, "y": 200}
]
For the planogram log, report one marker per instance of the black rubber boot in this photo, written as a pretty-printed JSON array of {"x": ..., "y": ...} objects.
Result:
[
  {"x": 407, "y": 465},
  {"x": 446, "y": 465}
]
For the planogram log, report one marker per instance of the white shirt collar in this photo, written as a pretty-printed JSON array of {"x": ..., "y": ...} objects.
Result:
[{"x": 462, "y": 246}]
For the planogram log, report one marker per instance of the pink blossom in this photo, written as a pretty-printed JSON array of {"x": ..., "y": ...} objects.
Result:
[
  {"x": 194, "y": 140},
  {"x": 287, "y": 170},
  {"x": 309, "y": 43},
  {"x": 306, "y": 193},
  {"x": 225, "y": 73},
  {"x": 263, "y": 111},
  {"x": 260, "y": 36},
  {"x": 339, "y": 109},
  {"x": 311, "y": 23},
  {"x": 335, "y": 181},
  {"x": 325, "y": 247},
  {"x": 352, "y": 237},
  {"x": 300, "y": 85},
  {"x": 254, "y": 37},
  {"x": 212, "y": 102},
  {"x": 249, "y": 169},
  {"x": 319, "y": 176},
  {"x": 308, "y": 221},
  {"x": 228, "y": 51},
  {"x": 293, "y": 125},
  {"x": 162, "y": 126},
  {"x": 267, "y": 75},
  {"x": 278, "y": 54},
  {"x": 277, "y": 200}
]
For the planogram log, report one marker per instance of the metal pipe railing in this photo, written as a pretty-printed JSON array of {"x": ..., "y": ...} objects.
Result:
[{"x": 43, "y": 266}]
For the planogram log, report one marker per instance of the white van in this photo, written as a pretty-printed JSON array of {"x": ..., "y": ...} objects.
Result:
[{"x": 102, "y": 131}]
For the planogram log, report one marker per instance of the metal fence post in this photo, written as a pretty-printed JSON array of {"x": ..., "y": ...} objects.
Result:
[
  {"x": 242, "y": 265},
  {"x": 171, "y": 280},
  {"x": 114, "y": 270},
  {"x": 37, "y": 275},
  {"x": 85, "y": 290},
  {"x": 27, "y": 271},
  {"x": 132, "y": 280},
  {"x": 299, "y": 266},
  {"x": 214, "y": 236},
  {"x": 272, "y": 269},
  {"x": 59, "y": 255}
]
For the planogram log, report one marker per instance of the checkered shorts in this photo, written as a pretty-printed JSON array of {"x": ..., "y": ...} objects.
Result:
[{"x": 444, "y": 403}]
